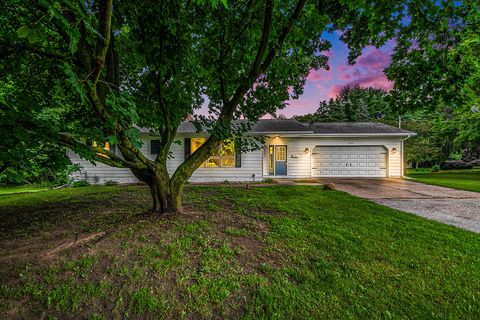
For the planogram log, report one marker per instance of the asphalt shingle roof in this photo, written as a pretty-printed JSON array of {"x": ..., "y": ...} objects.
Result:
[
  {"x": 354, "y": 128},
  {"x": 279, "y": 125},
  {"x": 294, "y": 126}
]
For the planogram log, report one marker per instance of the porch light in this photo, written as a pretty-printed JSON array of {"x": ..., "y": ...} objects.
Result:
[
  {"x": 394, "y": 150},
  {"x": 307, "y": 150}
]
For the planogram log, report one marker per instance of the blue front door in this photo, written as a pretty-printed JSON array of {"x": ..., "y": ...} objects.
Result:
[{"x": 280, "y": 155}]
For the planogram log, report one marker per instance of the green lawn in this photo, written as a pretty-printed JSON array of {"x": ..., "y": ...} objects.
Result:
[
  {"x": 22, "y": 189},
  {"x": 457, "y": 179},
  {"x": 277, "y": 252}
]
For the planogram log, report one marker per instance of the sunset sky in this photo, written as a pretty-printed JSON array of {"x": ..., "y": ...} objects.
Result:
[{"x": 323, "y": 84}]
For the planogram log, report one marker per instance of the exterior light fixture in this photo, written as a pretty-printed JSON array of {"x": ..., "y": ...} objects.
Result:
[
  {"x": 307, "y": 150},
  {"x": 394, "y": 150}
]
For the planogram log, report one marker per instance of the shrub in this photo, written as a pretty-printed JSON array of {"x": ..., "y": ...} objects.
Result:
[
  {"x": 268, "y": 180},
  {"x": 455, "y": 165},
  {"x": 475, "y": 163},
  {"x": 435, "y": 168},
  {"x": 81, "y": 183},
  {"x": 63, "y": 177},
  {"x": 111, "y": 183}
]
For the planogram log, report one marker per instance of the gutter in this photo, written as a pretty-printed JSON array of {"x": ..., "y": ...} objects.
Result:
[
  {"x": 330, "y": 135},
  {"x": 403, "y": 155}
]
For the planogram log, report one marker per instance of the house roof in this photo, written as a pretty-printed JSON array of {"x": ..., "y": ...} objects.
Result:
[
  {"x": 355, "y": 128},
  {"x": 280, "y": 125},
  {"x": 261, "y": 126},
  {"x": 294, "y": 127}
]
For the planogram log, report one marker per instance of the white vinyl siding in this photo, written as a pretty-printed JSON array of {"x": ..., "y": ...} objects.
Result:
[
  {"x": 250, "y": 170},
  {"x": 101, "y": 171},
  {"x": 255, "y": 164}
]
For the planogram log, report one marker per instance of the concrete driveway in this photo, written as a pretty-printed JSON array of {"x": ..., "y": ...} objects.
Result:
[{"x": 456, "y": 207}]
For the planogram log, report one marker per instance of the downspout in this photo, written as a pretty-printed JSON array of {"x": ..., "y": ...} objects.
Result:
[{"x": 403, "y": 156}]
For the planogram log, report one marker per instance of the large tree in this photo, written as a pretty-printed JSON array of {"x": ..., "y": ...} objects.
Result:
[
  {"x": 439, "y": 71},
  {"x": 86, "y": 71}
]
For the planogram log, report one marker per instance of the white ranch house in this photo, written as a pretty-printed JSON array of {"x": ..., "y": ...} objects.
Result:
[{"x": 291, "y": 150}]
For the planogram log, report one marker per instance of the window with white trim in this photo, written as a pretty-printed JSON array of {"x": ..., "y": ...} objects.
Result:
[{"x": 224, "y": 157}]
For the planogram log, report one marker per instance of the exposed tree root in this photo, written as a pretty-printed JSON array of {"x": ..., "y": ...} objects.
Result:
[{"x": 75, "y": 243}]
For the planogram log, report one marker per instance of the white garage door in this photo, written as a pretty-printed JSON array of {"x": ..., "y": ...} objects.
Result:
[{"x": 349, "y": 161}]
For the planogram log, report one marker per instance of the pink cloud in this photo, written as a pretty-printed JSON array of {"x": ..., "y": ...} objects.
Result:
[
  {"x": 377, "y": 81},
  {"x": 301, "y": 106},
  {"x": 344, "y": 76},
  {"x": 328, "y": 53},
  {"x": 335, "y": 91},
  {"x": 356, "y": 73},
  {"x": 320, "y": 75},
  {"x": 375, "y": 59}
]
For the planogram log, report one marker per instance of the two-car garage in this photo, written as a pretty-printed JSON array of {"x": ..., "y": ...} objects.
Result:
[{"x": 349, "y": 161}]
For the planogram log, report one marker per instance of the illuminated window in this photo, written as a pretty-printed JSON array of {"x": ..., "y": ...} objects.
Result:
[
  {"x": 105, "y": 147},
  {"x": 281, "y": 153},
  {"x": 196, "y": 143},
  {"x": 223, "y": 157},
  {"x": 272, "y": 160}
]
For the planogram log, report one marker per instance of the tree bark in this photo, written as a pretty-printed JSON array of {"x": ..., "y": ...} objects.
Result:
[{"x": 166, "y": 195}]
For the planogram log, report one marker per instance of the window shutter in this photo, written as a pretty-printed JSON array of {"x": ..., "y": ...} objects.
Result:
[
  {"x": 188, "y": 147},
  {"x": 154, "y": 146},
  {"x": 238, "y": 153}
]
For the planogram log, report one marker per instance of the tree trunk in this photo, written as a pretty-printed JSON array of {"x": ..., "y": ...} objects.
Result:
[{"x": 166, "y": 198}]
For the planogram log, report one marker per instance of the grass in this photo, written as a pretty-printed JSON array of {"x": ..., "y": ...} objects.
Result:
[
  {"x": 22, "y": 189},
  {"x": 278, "y": 252},
  {"x": 457, "y": 179}
]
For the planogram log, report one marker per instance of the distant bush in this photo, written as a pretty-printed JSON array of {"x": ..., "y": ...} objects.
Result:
[
  {"x": 455, "y": 165},
  {"x": 81, "y": 183},
  {"x": 422, "y": 170},
  {"x": 475, "y": 163},
  {"x": 62, "y": 177},
  {"x": 111, "y": 183},
  {"x": 436, "y": 168}
]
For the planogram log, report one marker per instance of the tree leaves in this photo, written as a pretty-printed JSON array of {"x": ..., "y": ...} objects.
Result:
[
  {"x": 71, "y": 78},
  {"x": 32, "y": 33}
]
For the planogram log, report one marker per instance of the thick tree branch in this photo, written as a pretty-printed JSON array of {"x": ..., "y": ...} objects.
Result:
[
  {"x": 201, "y": 154},
  {"x": 101, "y": 154},
  {"x": 227, "y": 111},
  {"x": 283, "y": 36},
  {"x": 258, "y": 67},
  {"x": 101, "y": 53}
]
